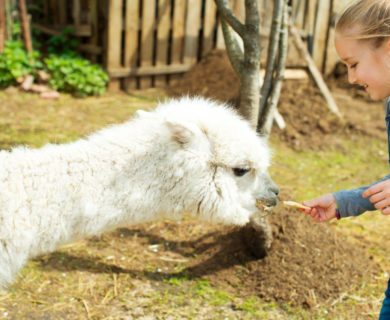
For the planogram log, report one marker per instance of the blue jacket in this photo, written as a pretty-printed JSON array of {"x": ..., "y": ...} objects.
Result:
[{"x": 351, "y": 202}]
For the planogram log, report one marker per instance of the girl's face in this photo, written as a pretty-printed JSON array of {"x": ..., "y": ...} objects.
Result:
[{"x": 368, "y": 66}]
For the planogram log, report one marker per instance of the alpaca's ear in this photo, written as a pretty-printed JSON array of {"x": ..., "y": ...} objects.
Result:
[{"x": 182, "y": 133}]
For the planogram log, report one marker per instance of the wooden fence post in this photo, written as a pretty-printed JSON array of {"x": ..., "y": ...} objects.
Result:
[
  {"x": 192, "y": 32},
  {"x": 25, "y": 25},
  {"x": 131, "y": 40},
  {"x": 208, "y": 27},
  {"x": 163, "y": 26},
  {"x": 114, "y": 37},
  {"x": 321, "y": 32},
  {"x": 147, "y": 40},
  {"x": 178, "y": 25}
]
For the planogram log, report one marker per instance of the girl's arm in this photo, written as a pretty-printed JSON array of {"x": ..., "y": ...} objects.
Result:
[{"x": 352, "y": 202}]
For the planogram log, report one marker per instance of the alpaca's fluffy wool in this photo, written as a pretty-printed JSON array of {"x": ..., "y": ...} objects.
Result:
[{"x": 178, "y": 158}]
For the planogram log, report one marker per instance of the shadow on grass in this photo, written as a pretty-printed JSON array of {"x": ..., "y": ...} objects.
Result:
[{"x": 206, "y": 255}]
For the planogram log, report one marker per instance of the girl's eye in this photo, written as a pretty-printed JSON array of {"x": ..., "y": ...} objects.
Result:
[
  {"x": 239, "y": 172},
  {"x": 353, "y": 66}
]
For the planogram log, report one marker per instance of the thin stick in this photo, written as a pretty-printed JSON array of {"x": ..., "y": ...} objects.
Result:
[
  {"x": 115, "y": 284},
  {"x": 86, "y": 308},
  {"x": 315, "y": 72}
]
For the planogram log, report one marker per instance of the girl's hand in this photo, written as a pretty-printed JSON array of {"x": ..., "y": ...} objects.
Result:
[
  {"x": 322, "y": 208},
  {"x": 379, "y": 196}
]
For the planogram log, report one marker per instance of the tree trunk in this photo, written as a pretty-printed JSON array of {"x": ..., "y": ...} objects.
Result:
[{"x": 249, "y": 94}]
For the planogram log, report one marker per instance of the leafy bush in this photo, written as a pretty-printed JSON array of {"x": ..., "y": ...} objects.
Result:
[
  {"x": 73, "y": 74},
  {"x": 64, "y": 43},
  {"x": 15, "y": 62}
]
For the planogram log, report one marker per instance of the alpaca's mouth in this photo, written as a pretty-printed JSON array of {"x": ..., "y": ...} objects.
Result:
[{"x": 264, "y": 206}]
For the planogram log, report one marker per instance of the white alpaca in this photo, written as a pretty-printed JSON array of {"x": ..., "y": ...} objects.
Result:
[{"x": 187, "y": 156}]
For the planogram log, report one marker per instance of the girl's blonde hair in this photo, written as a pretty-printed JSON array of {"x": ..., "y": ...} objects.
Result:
[{"x": 366, "y": 19}]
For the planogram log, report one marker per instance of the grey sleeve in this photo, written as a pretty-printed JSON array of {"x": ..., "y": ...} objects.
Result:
[{"x": 352, "y": 203}]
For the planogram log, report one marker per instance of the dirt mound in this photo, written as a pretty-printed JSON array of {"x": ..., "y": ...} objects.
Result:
[
  {"x": 309, "y": 121},
  {"x": 308, "y": 263},
  {"x": 213, "y": 77}
]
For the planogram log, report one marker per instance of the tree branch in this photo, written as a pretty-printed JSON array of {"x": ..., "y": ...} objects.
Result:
[
  {"x": 271, "y": 108},
  {"x": 233, "y": 48},
  {"x": 226, "y": 13},
  {"x": 271, "y": 57}
]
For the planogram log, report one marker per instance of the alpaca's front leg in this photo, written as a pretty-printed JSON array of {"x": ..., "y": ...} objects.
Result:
[{"x": 10, "y": 263}]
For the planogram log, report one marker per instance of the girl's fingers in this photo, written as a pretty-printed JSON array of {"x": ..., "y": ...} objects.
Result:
[
  {"x": 377, "y": 197},
  {"x": 374, "y": 189},
  {"x": 382, "y": 204},
  {"x": 314, "y": 213},
  {"x": 386, "y": 211}
]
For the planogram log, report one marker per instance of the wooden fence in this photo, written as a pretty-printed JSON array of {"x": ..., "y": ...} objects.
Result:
[
  {"x": 162, "y": 39},
  {"x": 316, "y": 20},
  {"x": 145, "y": 43}
]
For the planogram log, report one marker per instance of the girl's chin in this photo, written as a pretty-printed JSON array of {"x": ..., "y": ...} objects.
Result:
[{"x": 376, "y": 96}]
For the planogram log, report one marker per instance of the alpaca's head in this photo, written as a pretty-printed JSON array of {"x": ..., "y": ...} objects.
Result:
[{"x": 217, "y": 163}]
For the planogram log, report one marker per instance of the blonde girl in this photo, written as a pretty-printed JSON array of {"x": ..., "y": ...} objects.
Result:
[{"x": 362, "y": 42}]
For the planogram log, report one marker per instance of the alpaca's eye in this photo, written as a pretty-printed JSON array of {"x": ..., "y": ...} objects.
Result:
[{"x": 239, "y": 172}]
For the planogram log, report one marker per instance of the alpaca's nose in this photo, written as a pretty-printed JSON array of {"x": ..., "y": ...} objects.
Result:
[
  {"x": 270, "y": 197},
  {"x": 275, "y": 190}
]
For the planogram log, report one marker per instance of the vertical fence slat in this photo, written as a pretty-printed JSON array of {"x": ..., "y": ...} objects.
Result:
[
  {"x": 76, "y": 12},
  {"x": 46, "y": 10},
  {"x": 321, "y": 32},
  {"x": 238, "y": 7},
  {"x": 147, "y": 39},
  {"x": 298, "y": 12},
  {"x": 114, "y": 38},
  {"x": 191, "y": 39},
  {"x": 163, "y": 27},
  {"x": 310, "y": 23},
  {"x": 331, "y": 54},
  {"x": 220, "y": 42},
  {"x": 131, "y": 39},
  {"x": 178, "y": 25},
  {"x": 53, "y": 9},
  {"x": 25, "y": 25},
  {"x": 62, "y": 12},
  {"x": 208, "y": 27},
  {"x": 93, "y": 7},
  {"x": 268, "y": 9}
]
